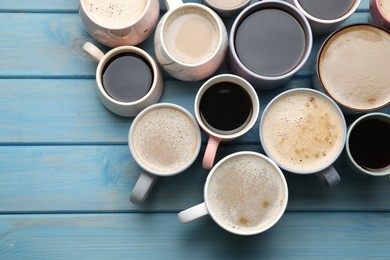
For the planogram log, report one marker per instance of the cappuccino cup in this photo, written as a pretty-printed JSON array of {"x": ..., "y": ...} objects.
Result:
[
  {"x": 164, "y": 140},
  {"x": 352, "y": 67},
  {"x": 119, "y": 22},
  {"x": 325, "y": 16},
  {"x": 227, "y": 8},
  {"x": 128, "y": 79},
  {"x": 368, "y": 143},
  {"x": 226, "y": 107},
  {"x": 245, "y": 193},
  {"x": 380, "y": 12},
  {"x": 304, "y": 132},
  {"x": 268, "y": 43},
  {"x": 190, "y": 41}
]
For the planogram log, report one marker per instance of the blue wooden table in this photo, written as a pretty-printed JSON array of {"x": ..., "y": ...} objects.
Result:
[{"x": 66, "y": 171}]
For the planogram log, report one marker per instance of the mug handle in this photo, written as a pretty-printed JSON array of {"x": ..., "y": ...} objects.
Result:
[
  {"x": 142, "y": 188},
  {"x": 93, "y": 51},
  {"x": 329, "y": 176},
  {"x": 211, "y": 150},
  {"x": 172, "y": 4},
  {"x": 193, "y": 213}
]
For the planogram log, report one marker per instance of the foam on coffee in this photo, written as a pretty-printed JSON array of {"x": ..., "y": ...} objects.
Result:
[
  {"x": 302, "y": 131},
  {"x": 227, "y": 4},
  {"x": 354, "y": 67},
  {"x": 165, "y": 139},
  {"x": 245, "y": 193},
  {"x": 115, "y": 13},
  {"x": 191, "y": 35},
  {"x": 384, "y": 5}
]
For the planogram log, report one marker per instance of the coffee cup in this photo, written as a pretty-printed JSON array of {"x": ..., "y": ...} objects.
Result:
[
  {"x": 119, "y": 22},
  {"x": 268, "y": 43},
  {"x": 304, "y": 132},
  {"x": 245, "y": 193},
  {"x": 380, "y": 12},
  {"x": 367, "y": 145},
  {"x": 352, "y": 67},
  {"x": 164, "y": 140},
  {"x": 128, "y": 79},
  {"x": 226, "y": 107},
  {"x": 325, "y": 16},
  {"x": 227, "y": 8},
  {"x": 190, "y": 41}
]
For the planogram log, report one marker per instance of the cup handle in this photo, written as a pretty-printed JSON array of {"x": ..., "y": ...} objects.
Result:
[
  {"x": 329, "y": 176},
  {"x": 93, "y": 51},
  {"x": 142, "y": 188},
  {"x": 193, "y": 213},
  {"x": 172, "y": 4},
  {"x": 211, "y": 150}
]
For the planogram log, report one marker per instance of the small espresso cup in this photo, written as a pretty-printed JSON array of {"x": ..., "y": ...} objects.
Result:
[
  {"x": 226, "y": 107},
  {"x": 190, "y": 41},
  {"x": 268, "y": 43},
  {"x": 380, "y": 12},
  {"x": 164, "y": 140},
  {"x": 352, "y": 67},
  {"x": 304, "y": 132},
  {"x": 325, "y": 16},
  {"x": 245, "y": 193},
  {"x": 128, "y": 79},
  {"x": 368, "y": 145},
  {"x": 227, "y": 8},
  {"x": 119, "y": 22}
]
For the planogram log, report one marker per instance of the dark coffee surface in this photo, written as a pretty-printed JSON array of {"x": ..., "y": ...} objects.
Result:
[
  {"x": 127, "y": 77},
  {"x": 270, "y": 42},
  {"x": 326, "y": 9}
]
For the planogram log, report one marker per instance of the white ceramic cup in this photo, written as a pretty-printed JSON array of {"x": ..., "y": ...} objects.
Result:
[
  {"x": 164, "y": 140},
  {"x": 216, "y": 100},
  {"x": 119, "y": 22},
  {"x": 227, "y": 8},
  {"x": 245, "y": 193},
  {"x": 304, "y": 132},
  {"x": 323, "y": 25},
  {"x": 129, "y": 109},
  {"x": 190, "y": 41}
]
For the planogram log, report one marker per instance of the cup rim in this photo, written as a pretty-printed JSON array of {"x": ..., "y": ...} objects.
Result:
[
  {"x": 343, "y": 123},
  {"x": 295, "y": 13},
  {"x": 83, "y": 8},
  {"x": 357, "y": 121},
  {"x": 183, "y": 167},
  {"x": 208, "y": 10},
  {"x": 380, "y": 10},
  {"x": 285, "y": 188},
  {"x": 317, "y": 67},
  {"x": 247, "y": 87},
  {"x": 126, "y": 49},
  {"x": 328, "y": 21}
]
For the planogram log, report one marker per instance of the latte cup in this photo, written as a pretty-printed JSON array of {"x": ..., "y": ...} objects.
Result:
[
  {"x": 119, "y": 22},
  {"x": 326, "y": 16},
  {"x": 227, "y": 8},
  {"x": 190, "y": 41},
  {"x": 367, "y": 145},
  {"x": 164, "y": 140},
  {"x": 304, "y": 132},
  {"x": 352, "y": 67},
  {"x": 128, "y": 79},
  {"x": 380, "y": 12},
  {"x": 268, "y": 43},
  {"x": 226, "y": 107},
  {"x": 245, "y": 193}
]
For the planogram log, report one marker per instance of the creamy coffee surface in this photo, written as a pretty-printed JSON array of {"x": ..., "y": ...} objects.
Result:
[
  {"x": 384, "y": 5},
  {"x": 302, "y": 131},
  {"x": 354, "y": 67},
  {"x": 165, "y": 139},
  {"x": 246, "y": 193},
  {"x": 115, "y": 13},
  {"x": 227, "y": 4}
]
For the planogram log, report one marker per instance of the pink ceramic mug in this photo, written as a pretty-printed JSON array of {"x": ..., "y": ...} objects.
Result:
[{"x": 380, "y": 12}]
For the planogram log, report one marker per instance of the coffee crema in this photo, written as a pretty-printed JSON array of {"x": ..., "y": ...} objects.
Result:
[
  {"x": 354, "y": 67},
  {"x": 327, "y": 10},
  {"x": 245, "y": 193},
  {"x": 302, "y": 131},
  {"x": 115, "y": 13},
  {"x": 165, "y": 139},
  {"x": 191, "y": 35},
  {"x": 227, "y": 4},
  {"x": 384, "y": 6}
]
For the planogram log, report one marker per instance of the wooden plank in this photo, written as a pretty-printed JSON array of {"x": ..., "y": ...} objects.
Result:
[
  {"x": 161, "y": 236},
  {"x": 99, "y": 178}
]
